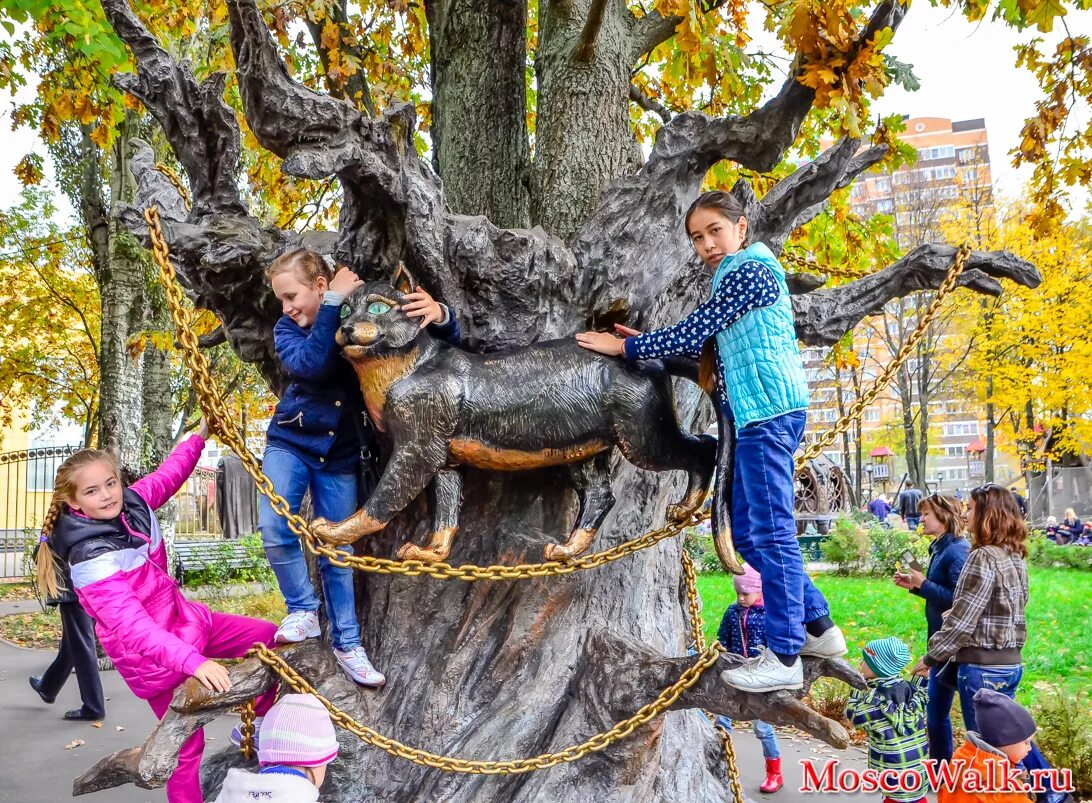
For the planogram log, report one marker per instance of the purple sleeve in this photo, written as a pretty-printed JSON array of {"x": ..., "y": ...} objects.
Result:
[{"x": 164, "y": 482}]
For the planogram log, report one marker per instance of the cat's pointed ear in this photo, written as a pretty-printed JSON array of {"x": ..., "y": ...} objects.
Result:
[{"x": 402, "y": 280}]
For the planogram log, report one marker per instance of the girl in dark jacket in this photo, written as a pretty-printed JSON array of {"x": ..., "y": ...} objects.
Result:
[
  {"x": 77, "y": 651},
  {"x": 314, "y": 443},
  {"x": 941, "y": 518},
  {"x": 743, "y": 632}
]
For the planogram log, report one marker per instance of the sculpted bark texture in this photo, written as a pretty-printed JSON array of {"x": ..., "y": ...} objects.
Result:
[
  {"x": 479, "y": 121},
  {"x": 497, "y": 670}
]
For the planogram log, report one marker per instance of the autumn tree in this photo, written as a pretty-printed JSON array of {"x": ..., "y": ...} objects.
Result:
[
  {"x": 1033, "y": 361},
  {"x": 538, "y": 214},
  {"x": 49, "y": 333}
]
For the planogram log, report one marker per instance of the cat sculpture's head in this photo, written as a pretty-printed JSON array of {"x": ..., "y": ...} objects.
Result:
[{"x": 372, "y": 321}]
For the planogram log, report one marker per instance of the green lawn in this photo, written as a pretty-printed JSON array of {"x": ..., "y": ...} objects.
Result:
[{"x": 1059, "y": 648}]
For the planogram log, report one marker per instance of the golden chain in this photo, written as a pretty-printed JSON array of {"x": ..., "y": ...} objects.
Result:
[
  {"x": 175, "y": 180},
  {"x": 811, "y": 266},
  {"x": 217, "y": 415},
  {"x": 697, "y": 634},
  {"x": 667, "y": 698},
  {"x": 246, "y": 744},
  {"x": 856, "y": 410},
  {"x": 693, "y": 602}
]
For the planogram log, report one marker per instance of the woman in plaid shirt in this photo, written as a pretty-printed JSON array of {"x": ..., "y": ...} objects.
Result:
[{"x": 986, "y": 627}]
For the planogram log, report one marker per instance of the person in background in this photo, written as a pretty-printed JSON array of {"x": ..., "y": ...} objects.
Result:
[
  {"x": 295, "y": 744},
  {"x": 892, "y": 713},
  {"x": 909, "y": 500},
  {"x": 942, "y": 519},
  {"x": 880, "y": 508},
  {"x": 1071, "y": 525},
  {"x": 1000, "y": 739},
  {"x": 743, "y": 632},
  {"x": 1054, "y": 533}
]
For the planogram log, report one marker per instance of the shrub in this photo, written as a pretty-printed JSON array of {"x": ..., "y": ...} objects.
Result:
[
  {"x": 847, "y": 547},
  {"x": 1043, "y": 552},
  {"x": 1065, "y": 732},
  {"x": 888, "y": 544},
  {"x": 220, "y": 574}
]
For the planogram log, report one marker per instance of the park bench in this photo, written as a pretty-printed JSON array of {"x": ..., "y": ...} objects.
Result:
[{"x": 195, "y": 556}]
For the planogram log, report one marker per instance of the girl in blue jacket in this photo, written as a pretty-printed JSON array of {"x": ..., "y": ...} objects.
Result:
[
  {"x": 762, "y": 388},
  {"x": 314, "y": 442}
]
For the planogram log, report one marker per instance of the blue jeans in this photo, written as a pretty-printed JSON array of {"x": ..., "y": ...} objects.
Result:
[
  {"x": 912, "y": 522},
  {"x": 333, "y": 497},
  {"x": 764, "y": 530},
  {"x": 763, "y": 730},
  {"x": 938, "y": 717},
  {"x": 1003, "y": 679},
  {"x": 972, "y": 677}
]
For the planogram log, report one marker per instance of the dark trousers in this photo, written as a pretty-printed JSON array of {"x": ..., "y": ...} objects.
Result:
[
  {"x": 938, "y": 717},
  {"x": 77, "y": 651}
]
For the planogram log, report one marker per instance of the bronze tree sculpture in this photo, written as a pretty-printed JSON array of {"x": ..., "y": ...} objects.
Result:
[{"x": 507, "y": 669}]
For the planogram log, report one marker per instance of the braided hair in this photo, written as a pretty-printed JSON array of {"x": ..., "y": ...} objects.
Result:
[{"x": 64, "y": 491}]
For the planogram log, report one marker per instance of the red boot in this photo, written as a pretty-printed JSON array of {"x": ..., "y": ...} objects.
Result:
[{"x": 773, "y": 781}]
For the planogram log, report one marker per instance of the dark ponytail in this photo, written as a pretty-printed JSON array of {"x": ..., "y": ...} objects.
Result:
[{"x": 718, "y": 200}]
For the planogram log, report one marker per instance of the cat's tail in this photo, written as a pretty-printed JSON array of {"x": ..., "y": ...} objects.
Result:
[{"x": 701, "y": 373}]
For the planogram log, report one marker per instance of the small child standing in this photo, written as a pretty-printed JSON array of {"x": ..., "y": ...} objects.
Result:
[
  {"x": 295, "y": 743},
  {"x": 892, "y": 713},
  {"x": 743, "y": 632},
  {"x": 1003, "y": 739}
]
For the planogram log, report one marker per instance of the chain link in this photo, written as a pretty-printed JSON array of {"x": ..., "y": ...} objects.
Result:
[
  {"x": 812, "y": 266},
  {"x": 667, "y": 698},
  {"x": 246, "y": 744},
  {"x": 175, "y": 180},
  {"x": 697, "y": 634}
]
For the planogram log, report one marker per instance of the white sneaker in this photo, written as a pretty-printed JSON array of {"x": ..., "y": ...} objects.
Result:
[
  {"x": 357, "y": 666},
  {"x": 236, "y": 737},
  {"x": 765, "y": 673},
  {"x": 832, "y": 644},
  {"x": 297, "y": 626}
]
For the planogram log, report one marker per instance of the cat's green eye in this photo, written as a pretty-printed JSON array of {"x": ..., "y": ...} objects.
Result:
[
  {"x": 378, "y": 308},
  {"x": 346, "y": 311}
]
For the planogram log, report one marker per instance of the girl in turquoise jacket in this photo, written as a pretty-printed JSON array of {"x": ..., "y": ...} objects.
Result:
[{"x": 762, "y": 390}]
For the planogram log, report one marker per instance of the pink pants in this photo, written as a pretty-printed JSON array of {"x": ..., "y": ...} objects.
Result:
[{"x": 231, "y": 637}]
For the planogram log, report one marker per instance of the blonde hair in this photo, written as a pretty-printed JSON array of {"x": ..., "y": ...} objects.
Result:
[
  {"x": 64, "y": 491},
  {"x": 1070, "y": 513},
  {"x": 308, "y": 266},
  {"x": 948, "y": 510}
]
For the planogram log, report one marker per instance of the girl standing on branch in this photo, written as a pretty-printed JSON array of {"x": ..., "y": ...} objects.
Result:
[
  {"x": 762, "y": 388},
  {"x": 314, "y": 442},
  {"x": 106, "y": 536}
]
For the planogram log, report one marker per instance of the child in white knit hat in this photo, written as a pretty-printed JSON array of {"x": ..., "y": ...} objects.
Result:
[{"x": 295, "y": 743}]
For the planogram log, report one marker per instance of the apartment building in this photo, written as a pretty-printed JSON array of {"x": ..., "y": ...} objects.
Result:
[{"x": 950, "y": 176}]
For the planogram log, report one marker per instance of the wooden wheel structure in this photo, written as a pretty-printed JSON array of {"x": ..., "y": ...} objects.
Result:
[{"x": 822, "y": 492}]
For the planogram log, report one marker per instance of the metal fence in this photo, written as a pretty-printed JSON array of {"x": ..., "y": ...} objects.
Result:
[
  {"x": 197, "y": 515},
  {"x": 26, "y": 488},
  {"x": 1053, "y": 492}
]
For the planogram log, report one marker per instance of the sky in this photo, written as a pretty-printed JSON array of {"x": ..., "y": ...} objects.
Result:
[{"x": 966, "y": 71}]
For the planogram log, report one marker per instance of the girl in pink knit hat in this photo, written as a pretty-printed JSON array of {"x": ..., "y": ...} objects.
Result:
[
  {"x": 295, "y": 743},
  {"x": 743, "y": 632}
]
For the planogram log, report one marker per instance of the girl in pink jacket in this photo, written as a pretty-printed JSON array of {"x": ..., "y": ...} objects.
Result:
[{"x": 108, "y": 537}]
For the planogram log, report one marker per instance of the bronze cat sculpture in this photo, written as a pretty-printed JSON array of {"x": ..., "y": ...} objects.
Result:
[{"x": 552, "y": 403}]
